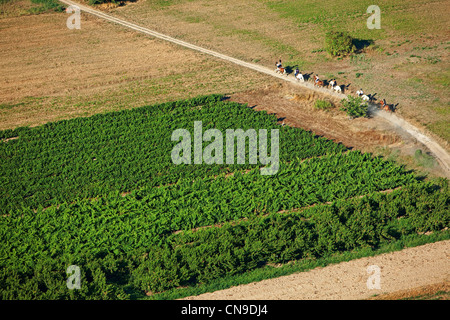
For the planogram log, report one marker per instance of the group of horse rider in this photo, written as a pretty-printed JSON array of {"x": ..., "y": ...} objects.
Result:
[
  {"x": 296, "y": 71},
  {"x": 332, "y": 83},
  {"x": 283, "y": 71}
]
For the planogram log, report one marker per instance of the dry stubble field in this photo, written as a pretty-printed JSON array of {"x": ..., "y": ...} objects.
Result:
[{"x": 50, "y": 72}]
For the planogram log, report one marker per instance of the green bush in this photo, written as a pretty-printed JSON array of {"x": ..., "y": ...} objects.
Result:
[
  {"x": 339, "y": 43},
  {"x": 354, "y": 107},
  {"x": 46, "y": 5},
  {"x": 323, "y": 104},
  {"x": 94, "y": 2}
]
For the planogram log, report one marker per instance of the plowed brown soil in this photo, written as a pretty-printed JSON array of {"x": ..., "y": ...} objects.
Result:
[{"x": 408, "y": 273}]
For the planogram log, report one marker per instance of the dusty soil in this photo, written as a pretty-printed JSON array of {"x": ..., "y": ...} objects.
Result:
[
  {"x": 407, "y": 273},
  {"x": 50, "y": 72},
  {"x": 439, "y": 291}
]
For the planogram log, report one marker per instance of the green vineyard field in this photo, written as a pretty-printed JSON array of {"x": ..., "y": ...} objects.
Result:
[{"x": 102, "y": 193}]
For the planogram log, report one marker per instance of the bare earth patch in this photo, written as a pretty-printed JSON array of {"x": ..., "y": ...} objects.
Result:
[
  {"x": 410, "y": 268},
  {"x": 438, "y": 291}
]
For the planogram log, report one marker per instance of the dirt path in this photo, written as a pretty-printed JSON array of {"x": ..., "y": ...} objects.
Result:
[
  {"x": 293, "y": 105},
  {"x": 161, "y": 36},
  {"x": 399, "y": 271},
  {"x": 441, "y": 155}
]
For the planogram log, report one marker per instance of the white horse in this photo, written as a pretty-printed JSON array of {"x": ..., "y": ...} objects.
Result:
[
  {"x": 332, "y": 83},
  {"x": 337, "y": 89},
  {"x": 365, "y": 97},
  {"x": 299, "y": 77}
]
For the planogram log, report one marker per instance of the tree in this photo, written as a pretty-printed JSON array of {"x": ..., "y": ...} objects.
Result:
[
  {"x": 354, "y": 106},
  {"x": 338, "y": 43}
]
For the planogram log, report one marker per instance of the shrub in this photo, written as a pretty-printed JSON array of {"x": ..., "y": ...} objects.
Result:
[
  {"x": 339, "y": 43},
  {"x": 46, "y": 5},
  {"x": 354, "y": 106},
  {"x": 94, "y": 2},
  {"x": 323, "y": 104}
]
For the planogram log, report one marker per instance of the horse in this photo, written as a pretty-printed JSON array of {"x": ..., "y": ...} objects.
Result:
[
  {"x": 387, "y": 107},
  {"x": 334, "y": 86},
  {"x": 281, "y": 70},
  {"x": 332, "y": 83},
  {"x": 366, "y": 97},
  {"x": 318, "y": 82},
  {"x": 299, "y": 77}
]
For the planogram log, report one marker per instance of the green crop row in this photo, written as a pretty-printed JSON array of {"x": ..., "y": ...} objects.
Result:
[
  {"x": 62, "y": 203},
  {"x": 125, "y": 150},
  {"x": 36, "y": 270},
  {"x": 112, "y": 227},
  {"x": 202, "y": 256},
  {"x": 145, "y": 217}
]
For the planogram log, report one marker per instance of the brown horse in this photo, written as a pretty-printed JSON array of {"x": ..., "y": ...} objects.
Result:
[
  {"x": 318, "y": 82},
  {"x": 281, "y": 70},
  {"x": 385, "y": 106}
]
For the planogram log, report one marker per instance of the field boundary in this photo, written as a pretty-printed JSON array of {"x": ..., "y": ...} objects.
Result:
[{"x": 439, "y": 152}]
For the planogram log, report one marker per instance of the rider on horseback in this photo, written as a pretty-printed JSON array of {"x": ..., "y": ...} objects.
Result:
[
  {"x": 278, "y": 64},
  {"x": 296, "y": 72}
]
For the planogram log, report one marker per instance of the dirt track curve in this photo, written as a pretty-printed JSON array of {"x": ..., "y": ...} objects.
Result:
[{"x": 402, "y": 270}]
